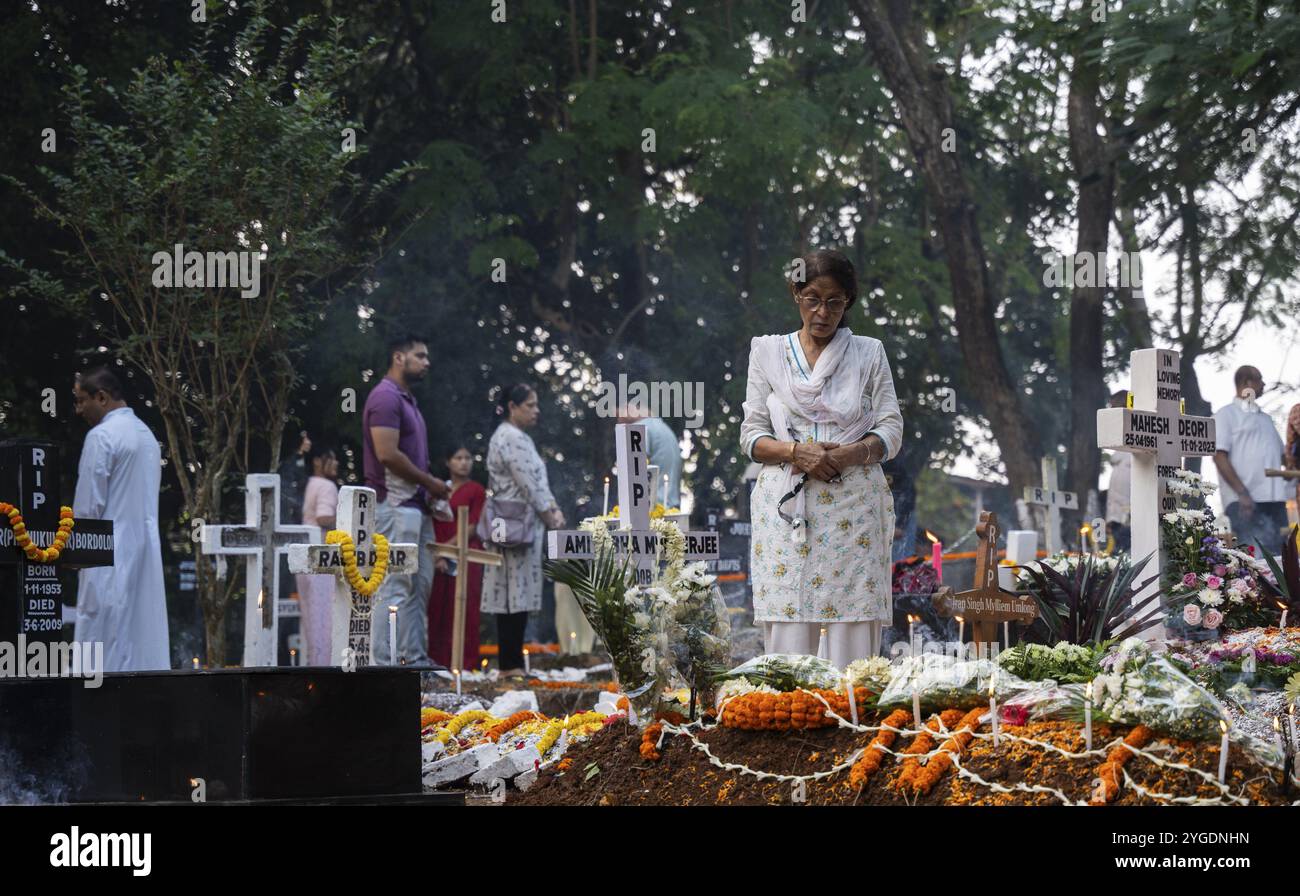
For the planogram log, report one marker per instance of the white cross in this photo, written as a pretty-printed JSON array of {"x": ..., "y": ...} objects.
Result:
[
  {"x": 1158, "y": 435},
  {"x": 351, "y": 613},
  {"x": 635, "y": 496},
  {"x": 262, "y": 540},
  {"x": 1048, "y": 496}
]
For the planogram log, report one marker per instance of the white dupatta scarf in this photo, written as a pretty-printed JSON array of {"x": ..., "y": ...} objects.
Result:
[{"x": 831, "y": 395}]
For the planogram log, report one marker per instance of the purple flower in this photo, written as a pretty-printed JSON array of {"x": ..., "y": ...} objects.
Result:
[
  {"x": 1213, "y": 582},
  {"x": 1189, "y": 580},
  {"x": 1220, "y": 571}
]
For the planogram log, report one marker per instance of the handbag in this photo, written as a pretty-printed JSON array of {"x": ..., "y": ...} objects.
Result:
[{"x": 517, "y": 526}]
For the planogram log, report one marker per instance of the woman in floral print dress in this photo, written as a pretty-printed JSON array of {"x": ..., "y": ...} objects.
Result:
[{"x": 821, "y": 415}]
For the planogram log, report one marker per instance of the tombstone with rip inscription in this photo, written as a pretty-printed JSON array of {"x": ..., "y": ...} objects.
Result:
[
  {"x": 987, "y": 603},
  {"x": 356, "y": 562},
  {"x": 635, "y": 499},
  {"x": 32, "y": 607}
]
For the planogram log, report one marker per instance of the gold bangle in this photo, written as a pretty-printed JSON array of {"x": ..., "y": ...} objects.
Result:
[{"x": 793, "y": 445}]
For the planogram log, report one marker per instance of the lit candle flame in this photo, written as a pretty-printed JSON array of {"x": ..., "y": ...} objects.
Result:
[{"x": 930, "y": 535}]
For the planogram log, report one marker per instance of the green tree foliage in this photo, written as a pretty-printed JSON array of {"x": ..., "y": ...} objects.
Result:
[{"x": 165, "y": 160}]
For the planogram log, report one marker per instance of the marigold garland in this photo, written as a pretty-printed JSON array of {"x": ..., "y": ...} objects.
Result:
[
  {"x": 924, "y": 743},
  {"x": 348, "y": 550},
  {"x": 454, "y": 726},
  {"x": 24, "y": 541},
  {"x": 649, "y": 740},
  {"x": 869, "y": 764},
  {"x": 550, "y": 736},
  {"x": 797, "y": 710},
  {"x": 499, "y": 730},
  {"x": 430, "y": 716},
  {"x": 924, "y": 778},
  {"x": 1109, "y": 771}
]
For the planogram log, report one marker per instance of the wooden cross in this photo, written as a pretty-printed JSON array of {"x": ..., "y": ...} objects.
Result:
[
  {"x": 463, "y": 554},
  {"x": 1049, "y": 497},
  {"x": 29, "y": 480},
  {"x": 261, "y": 540},
  {"x": 352, "y": 622},
  {"x": 986, "y": 604},
  {"x": 1158, "y": 435},
  {"x": 635, "y": 497}
]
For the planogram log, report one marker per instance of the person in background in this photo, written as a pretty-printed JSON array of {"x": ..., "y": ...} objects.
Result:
[
  {"x": 663, "y": 450},
  {"x": 124, "y": 606},
  {"x": 1248, "y": 444},
  {"x": 294, "y": 472},
  {"x": 320, "y": 501},
  {"x": 465, "y": 492},
  {"x": 516, "y": 472},
  {"x": 1291, "y": 455},
  {"x": 1119, "y": 494},
  {"x": 395, "y": 454}
]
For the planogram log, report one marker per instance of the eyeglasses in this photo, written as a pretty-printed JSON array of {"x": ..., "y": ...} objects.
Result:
[{"x": 833, "y": 305}]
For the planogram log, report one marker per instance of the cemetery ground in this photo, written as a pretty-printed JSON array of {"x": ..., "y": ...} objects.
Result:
[
  {"x": 748, "y": 762},
  {"x": 609, "y": 770}
]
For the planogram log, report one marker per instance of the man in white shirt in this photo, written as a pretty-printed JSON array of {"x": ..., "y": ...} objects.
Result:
[
  {"x": 123, "y": 605},
  {"x": 1248, "y": 443}
]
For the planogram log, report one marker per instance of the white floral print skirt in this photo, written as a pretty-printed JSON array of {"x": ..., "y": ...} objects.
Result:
[{"x": 841, "y": 573}]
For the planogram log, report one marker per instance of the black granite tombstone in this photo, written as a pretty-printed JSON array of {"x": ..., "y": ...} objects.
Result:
[
  {"x": 31, "y": 594},
  {"x": 265, "y": 734}
]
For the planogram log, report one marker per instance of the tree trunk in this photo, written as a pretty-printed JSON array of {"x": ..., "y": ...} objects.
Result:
[
  {"x": 924, "y": 106},
  {"x": 1095, "y": 174},
  {"x": 1132, "y": 298}
]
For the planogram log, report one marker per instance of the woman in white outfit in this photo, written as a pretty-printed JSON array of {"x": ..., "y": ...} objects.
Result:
[{"x": 821, "y": 415}]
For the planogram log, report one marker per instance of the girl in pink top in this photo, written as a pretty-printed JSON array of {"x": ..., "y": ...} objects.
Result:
[{"x": 316, "y": 593}]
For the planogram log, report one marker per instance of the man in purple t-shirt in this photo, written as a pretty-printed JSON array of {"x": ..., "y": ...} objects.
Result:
[{"x": 395, "y": 458}]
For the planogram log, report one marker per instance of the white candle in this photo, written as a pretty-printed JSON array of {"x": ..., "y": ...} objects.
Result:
[
  {"x": 293, "y": 657},
  {"x": 484, "y": 665},
  {"x": 1277, "y": 734},
  {"x": 1087, "y": 717},
  {"x": 853, "y": 698},
  {"x": 1223, "y": 753},
  {"x": 527, "y": 663},
  {"x": 1006, "y": 635},
  {"x": 196, "y": 665},
  {"x": 911, "y": 633},
  {"x": 916, "y": 708},
  {"x": 456, "y": 674},
  {"x": 668, "y": 505},
  {"x": 573, "y": 643},
  {"x": 961, "y": 633},
  {"x": 993, "y": 711},
  {"x": 823, "y": 651},
  {"x": 1282, "y": 624},
  {"x": 1295, "y": 744},
  {"x": 605, "y": 508},
  {"x": 392, "y": 634}
]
